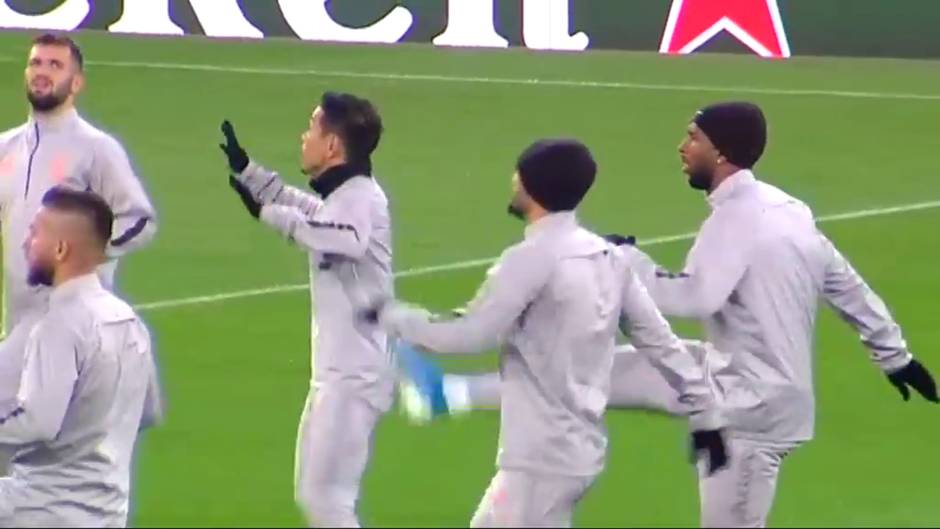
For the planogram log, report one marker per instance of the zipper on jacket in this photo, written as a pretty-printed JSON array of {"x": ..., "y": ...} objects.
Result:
[{"x": 29, "y": 168}]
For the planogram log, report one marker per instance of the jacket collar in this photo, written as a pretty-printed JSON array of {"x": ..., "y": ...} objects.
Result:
[
  {"x": 334, "y": 177},
  {"x": 726, "y": 189}
]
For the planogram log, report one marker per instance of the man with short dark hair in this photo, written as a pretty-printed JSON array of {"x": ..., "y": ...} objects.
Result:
[
  {"x": 89, "y": 381},
  {"x": 754, "y": 276},
  {"x": 553, "y": 303},
  {"x": 347, "y": 232},
  {"x": 57, "y": 147}
]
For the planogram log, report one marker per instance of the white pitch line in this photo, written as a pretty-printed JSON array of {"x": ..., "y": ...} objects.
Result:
[
  {"x": 880, "y": 211},
  {"x": 570, "y": 83},
  {"x": 391, "y": 76},
  {"x": 477, "y": 263},
  {"x": 215, "y": 298}
]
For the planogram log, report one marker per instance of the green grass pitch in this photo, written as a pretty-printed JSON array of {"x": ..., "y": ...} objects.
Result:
[{"x": 236, "y": 371}]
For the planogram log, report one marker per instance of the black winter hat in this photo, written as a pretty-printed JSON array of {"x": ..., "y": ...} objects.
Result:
[
  {"x": 557, "y": 173},
  {"x": 737, "y": 129}
]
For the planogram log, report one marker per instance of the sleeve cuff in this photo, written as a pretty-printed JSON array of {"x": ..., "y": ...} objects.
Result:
[
  {"x": 396, "y": 316},
  {"x": 264, "y": 185},
  {"x": 250, "y": 172},
  {"x": 896, "y": 363},
  {"x": 270, "y": 217},
  {"x": 710, "y": 419}
]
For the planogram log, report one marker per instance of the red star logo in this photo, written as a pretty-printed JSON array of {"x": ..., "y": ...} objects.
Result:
[{"x": 756, "y": 23}]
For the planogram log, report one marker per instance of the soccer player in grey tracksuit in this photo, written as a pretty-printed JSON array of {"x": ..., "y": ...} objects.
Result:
[
  {"x": 347, "y": 232},
  {"x": 754, "y": 277},
  {"x": 57, "y": 147},
  {"x": 89, "y": 383},
  {"x": 553, "y": 302}
]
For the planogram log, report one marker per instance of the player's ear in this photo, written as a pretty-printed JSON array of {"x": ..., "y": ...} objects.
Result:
[
  {"x": 78, "y": 82},
  {"x": 330, "y": 143},
  {"x": 62, "y": 249},
  {"x": 337, "y": 147}
]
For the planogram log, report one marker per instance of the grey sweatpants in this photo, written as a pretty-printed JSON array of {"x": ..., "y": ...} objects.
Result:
[
  {"x": 334, "y": 442},
  {"x": 526, "y": 499},
  {"x": 740, "y": 495},
  {"x": 63, "y": 514}
]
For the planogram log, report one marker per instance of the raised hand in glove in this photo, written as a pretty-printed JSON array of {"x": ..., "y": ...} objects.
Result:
[
  {"x": 916, "y": 376},
  {"x": 621, "y": 240},
  {"x": 252, "y": 205},
  {"x": 712, "y": 442},
  {"x": 237, "y": 157}
]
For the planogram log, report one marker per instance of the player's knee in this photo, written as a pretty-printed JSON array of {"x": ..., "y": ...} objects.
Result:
[
  {"x": 673, "y": 406},
  {"x": 482, "y": 518},
  {"x": 327, "y": 506}
]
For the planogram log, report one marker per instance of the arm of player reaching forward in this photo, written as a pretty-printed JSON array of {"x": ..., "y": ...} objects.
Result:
[
  {"x": 268, "y": 189},
  {"x": 511, "y": 285},
  {"x": 260, "y": 185},
  {"x": 652, "y": 336},
  {"x": 343, "y": 229},
  {"x": 714, "y": 267},
  {"x": 859, "y": 306}
]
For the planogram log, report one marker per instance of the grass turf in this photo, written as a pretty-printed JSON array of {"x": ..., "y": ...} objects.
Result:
[{"x": 236, "y": 372}]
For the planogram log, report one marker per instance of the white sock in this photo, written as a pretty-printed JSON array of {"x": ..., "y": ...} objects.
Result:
[{"x": 457, "y": 393}]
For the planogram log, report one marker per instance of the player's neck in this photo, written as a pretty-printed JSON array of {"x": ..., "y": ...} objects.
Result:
[
  {"x": 54, "y": 114},
  {"x": 327, "y": 165},
  {"x": 68, "y": 272},
  {"x": 722, "y": 173},
  {"x": 535, "y": 214}
]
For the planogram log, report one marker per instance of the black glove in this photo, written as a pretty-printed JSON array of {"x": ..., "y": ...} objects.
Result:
[
  {"x": 916, "y": 376},
  {"x": 620, "y": 240},
  {"x": 370, "y": 314},
  {"x": 237, "y": 157},
  {"x": 712, "y": 442},
  {"x": 252, "y": 205}
]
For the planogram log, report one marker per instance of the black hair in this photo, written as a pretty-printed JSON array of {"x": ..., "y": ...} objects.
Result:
[
  {"x": 84, "y": 203},
  {"x": 356, "y": 121},
  {"x": 557, "y": 173}
]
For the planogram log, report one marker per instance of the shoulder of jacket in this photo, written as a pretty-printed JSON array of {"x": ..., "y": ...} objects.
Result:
[
  {"x": 535, "y": 253},
  {"x": 99, "y": 138},
  {"x": 66, "y": 319},
  {"x": 359, "y": 188},
  {"x": 9, "y": 134},
  {"x": 357, "y": 184}
]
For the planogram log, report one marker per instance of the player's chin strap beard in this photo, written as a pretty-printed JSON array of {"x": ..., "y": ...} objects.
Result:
[
  {"x": 515, "y": 211},
  {"x": 40, "y": 276},
  {"x": 334, "y": 177},
  {"x": 701, "y": 180}
]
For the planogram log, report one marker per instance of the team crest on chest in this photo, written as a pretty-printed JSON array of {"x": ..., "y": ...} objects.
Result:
[
  {"x": 59, "y": 168},
  {"x": 7, "y": 165}
]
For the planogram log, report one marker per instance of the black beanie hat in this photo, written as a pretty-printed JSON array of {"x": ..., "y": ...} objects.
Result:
[
  {"x": 557, "y": 173},
  {"x": 738, "y": 130}
]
